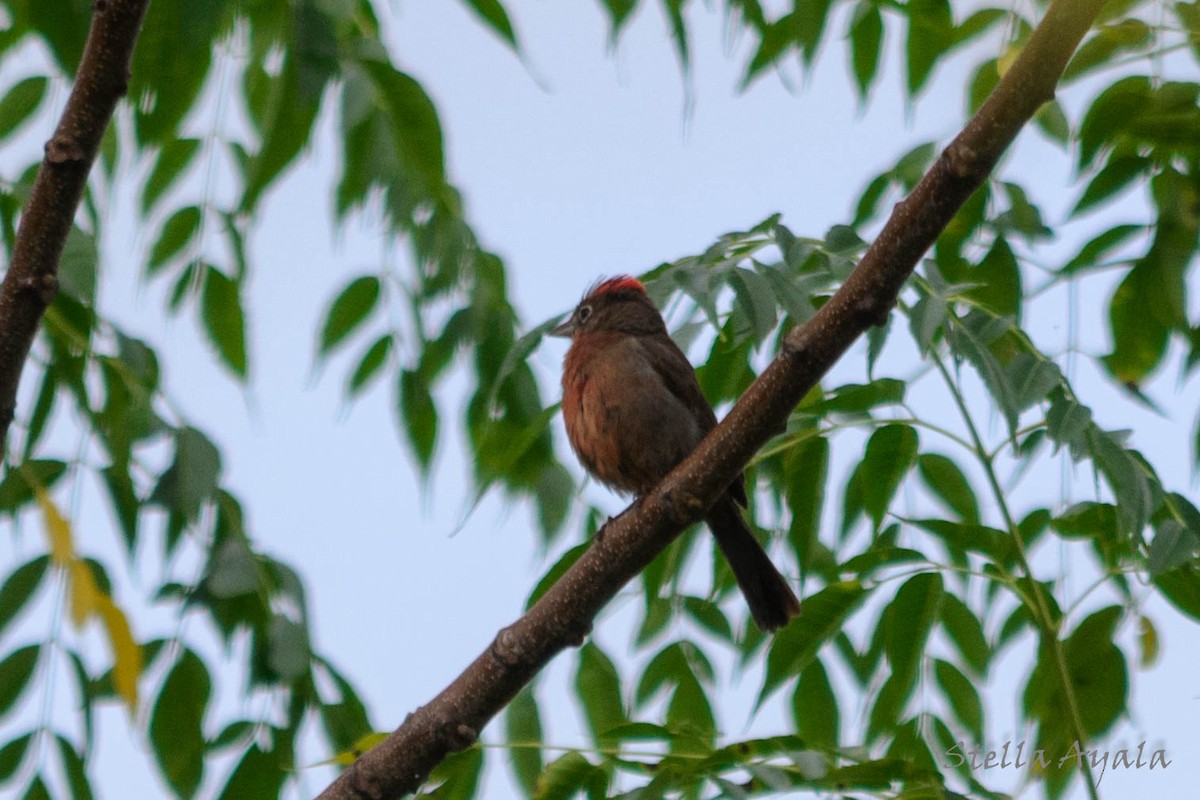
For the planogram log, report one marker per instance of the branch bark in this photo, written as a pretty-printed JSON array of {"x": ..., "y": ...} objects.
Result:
[
  {"x": 563, "y": 617},
  {"x": 32, "y": 278}
]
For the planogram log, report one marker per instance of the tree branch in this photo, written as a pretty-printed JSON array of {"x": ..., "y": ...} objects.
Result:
[
  {"x": 32, "y": 278},
  {"x": 563, "y": 617}
]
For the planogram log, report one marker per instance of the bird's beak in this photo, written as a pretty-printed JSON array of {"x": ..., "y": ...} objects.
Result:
[{"x": 566, "y": 330}]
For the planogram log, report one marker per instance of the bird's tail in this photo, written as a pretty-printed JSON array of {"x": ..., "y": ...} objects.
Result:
[{"x": 772, "y": 602}]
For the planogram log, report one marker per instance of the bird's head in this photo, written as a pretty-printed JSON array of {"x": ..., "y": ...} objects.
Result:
[{"x": 618, "y": 305}]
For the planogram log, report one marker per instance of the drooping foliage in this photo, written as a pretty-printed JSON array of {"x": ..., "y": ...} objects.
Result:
[{"x": 933, "y": 553}]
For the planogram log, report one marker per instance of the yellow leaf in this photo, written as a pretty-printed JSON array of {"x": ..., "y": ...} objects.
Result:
[
  {"x": 127, "y": 655},
  {"x": 348, "y": 757},
  {"x": 1008, "y": 57},
  {"x": 58, "y": 530},
  {"x": 1148, "y": 639},
  {"x": 85, "y": 594}
]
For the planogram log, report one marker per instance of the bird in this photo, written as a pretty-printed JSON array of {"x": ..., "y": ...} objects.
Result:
[{"x": 633, "y": 410}]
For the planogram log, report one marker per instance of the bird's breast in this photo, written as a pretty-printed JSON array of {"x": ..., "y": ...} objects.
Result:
[{"x": 626, "y": 427}]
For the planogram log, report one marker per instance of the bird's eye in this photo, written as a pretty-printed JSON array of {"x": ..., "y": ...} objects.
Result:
[{"x": 584, "y": 313}]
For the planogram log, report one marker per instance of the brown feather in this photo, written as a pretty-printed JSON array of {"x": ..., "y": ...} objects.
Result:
[{"x": 633, "y": 410}]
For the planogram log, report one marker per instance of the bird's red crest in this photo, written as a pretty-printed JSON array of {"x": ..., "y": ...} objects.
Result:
[{"x": 619, "y": 283}]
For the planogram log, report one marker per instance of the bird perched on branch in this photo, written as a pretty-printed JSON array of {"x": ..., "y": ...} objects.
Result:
[{"x": 634, "y": 410}]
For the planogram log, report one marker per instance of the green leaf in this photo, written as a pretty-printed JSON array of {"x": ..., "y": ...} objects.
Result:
[
  {"x": 1140, "y": 334},
  {"x": 224, "y": 320},
  {"x": 676, "y": 664},
  {"x": 821, "y": 618},
  {"x": 345, "y": 721},
  {"x": 910, "y": 618},
  {"x": 555, "y": 493},
  {"x": 598, "y": 687},
  {"x": 77, "y": 266},
  {"x": 348, "y": 311},
  {"x": 1125, "y": 476},
  {"x": 177, "y": 233},
  {"x": 192, "y": 477},
  {"x": 962, "y": 696},
  {"x": 806, "y": 471},
  {"x": 690, "y": 713},
  {"x": 125, "y": 502},
  {"x": 891, "y": 452},
  {"x": 926, "y": 319},
  {"x": 969, "y": 340},
  {"x": 288, "y": 653},
  {"x": 75, "y": 769},
  {"x": 42, "y": 406},
  {"x": 776, "y": 39},
  {"x": 815, "y": 708},
  {"x": 416, "y": 133},
  {"x": 949, "y": 484},
  {"x": 1112, "y": 109},
  {"x": 565, "y": 777},
  {"x": 1118, "y": 174},
  {"x": 286, "y": 105},
  {"x": 1098, "y": 675},
  {"x": 966, "y": 633},
  {"x": 969, "y": 537},
  {"x": 709, "y": 616},
  {"x": 232, "y": 570},
  {"x": 1172, "y": 546},
  {"x": 674, "y": 11},
  {"x": 1087, "y": 520},
  {"x": 20, "y": 588},
  {"x": 177, "y": 724},
  {"x": 15, "y": 672},
  {"x": 418, "y": 416},
  {"x": 19, "y": 484},
  {"x": 1097, "y": 248},
  {"x": 877, "y": 557},
  {"x": 1189, "y": 19},
  {"x": 998, "y": 280},
  {"x": 888, "y": 705},
  {"x": 930, "y": 35},
  {"x": 868, "y": 203},
  {"x": 618, "y": 12},
  {"x": 1098, "y": 51},
  {"x": 1181, "y": 586},
  {"x": 523, "y": 734},
  {"x": 172, "y": 160},
  {"x": 369, "y": 365},
  {"x": 1052, "y": 120},
  {"x": 978, "y": 23},
  {"x": 866, "y": 40},
  {"x": 11, "y": 756},
  {"x": 810, "y": 19},
  {"x": 171, "y": 63},
  {"x": 1022, "y": 217},
  {"x": 555, "y": 572},
  {"x": 19, "y": 104},
  {"x": 493, "y": 13},
  {"x": 880, "y": 774},
  {"x": 37, "y": 790},
  {"x": 857, "y": 398},
  {"x": 1032, "y": 378},
  {"x": 236, "y": 732},
  {"x": 754, "y": 297},
  {"x": 259, "y": 775}
]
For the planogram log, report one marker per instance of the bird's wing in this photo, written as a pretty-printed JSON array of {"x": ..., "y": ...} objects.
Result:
[{"x": 679, "y": 377}]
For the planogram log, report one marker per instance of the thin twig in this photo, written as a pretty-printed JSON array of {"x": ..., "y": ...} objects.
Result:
[{"x": 32, "y": 278}]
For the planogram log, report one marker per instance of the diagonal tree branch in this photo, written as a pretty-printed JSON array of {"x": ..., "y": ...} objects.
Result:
[
  {"x": 563, "y": 617},
  {"x": 32, "y": 278}
]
